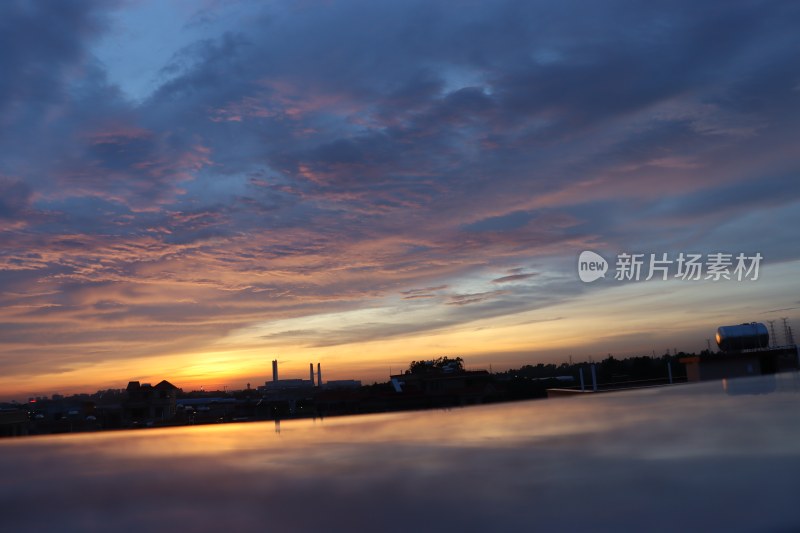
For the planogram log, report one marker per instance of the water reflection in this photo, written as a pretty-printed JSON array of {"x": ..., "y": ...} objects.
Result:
[
  {"x": 610, "y": 461},
  {"x": 756, "y": 385}
]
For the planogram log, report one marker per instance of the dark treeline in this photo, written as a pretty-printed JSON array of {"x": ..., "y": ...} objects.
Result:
[
  {"x": 609, "y": 369},
  {"x": 532, "y": 381},
  {"x": 438, "y": 383}
]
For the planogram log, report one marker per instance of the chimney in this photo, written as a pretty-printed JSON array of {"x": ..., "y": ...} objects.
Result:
[
  {"x": 274, "y": 370},
  {"x": 319, "y": 375},
  {"x": 311, "y": 373}
]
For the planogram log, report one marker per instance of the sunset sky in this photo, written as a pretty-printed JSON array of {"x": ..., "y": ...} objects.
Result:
[{"x": 190, "y": 189}]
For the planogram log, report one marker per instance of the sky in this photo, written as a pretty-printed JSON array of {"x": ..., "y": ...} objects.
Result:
[{"x": 189, "y": 190}]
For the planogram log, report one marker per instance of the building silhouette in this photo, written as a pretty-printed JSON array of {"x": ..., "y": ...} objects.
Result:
[{"x": 147, "y": 403}]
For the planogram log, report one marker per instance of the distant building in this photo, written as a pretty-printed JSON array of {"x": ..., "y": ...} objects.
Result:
[
  {"x": 727, "y": 365},
  {"x": 13, "y": 422},
  {"x": 343, "y": 384},
  {"x": 291, "y": 385},
  {"x": 446, "y": 388},
  {"x": 146, "y": 403},
  {"x": 287, "y": 384}
]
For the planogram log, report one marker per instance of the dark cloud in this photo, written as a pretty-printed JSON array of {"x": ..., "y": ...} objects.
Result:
[
  {"x": 41, "y": 45},
  {"x": 329, "y": 156},
  {"x": 14, "y": 198},
  {"x": 514, "y": 277}
]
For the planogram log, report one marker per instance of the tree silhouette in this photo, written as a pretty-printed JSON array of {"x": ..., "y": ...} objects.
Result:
[{"x": 440, "y": 365}]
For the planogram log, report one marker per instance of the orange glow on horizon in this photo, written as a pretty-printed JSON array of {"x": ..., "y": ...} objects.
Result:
[{"x": 597, "y": 323}]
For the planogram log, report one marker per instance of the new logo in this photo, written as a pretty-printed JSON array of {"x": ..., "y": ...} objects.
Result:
[{"x": 591, "y": 266}]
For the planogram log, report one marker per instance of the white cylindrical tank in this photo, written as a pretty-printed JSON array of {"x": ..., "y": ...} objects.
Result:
[{"x": 742, "y": 337}]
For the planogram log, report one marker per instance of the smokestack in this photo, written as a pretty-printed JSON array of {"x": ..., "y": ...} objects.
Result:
[
  {"x": 311, "y": 373},
  {"x": 274, "y": 370},
  {"x": 319, "y": 375}
]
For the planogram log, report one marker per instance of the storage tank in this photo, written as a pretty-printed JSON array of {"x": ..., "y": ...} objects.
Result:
[{"x": 742, "y": 337}]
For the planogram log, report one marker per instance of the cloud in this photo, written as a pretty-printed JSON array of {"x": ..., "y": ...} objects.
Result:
[
  {"x": 268, "y": 175},
  {"x": 424, "y": 293},
  {"x": 42, "y": 44},
  {"x": 473, "y": 298},
  {"x": 14, "y": 198},
  {"x": 514, "y": 277}
]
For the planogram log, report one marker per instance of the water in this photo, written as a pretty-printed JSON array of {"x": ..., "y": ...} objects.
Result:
[{"x": 687, "y": 457}]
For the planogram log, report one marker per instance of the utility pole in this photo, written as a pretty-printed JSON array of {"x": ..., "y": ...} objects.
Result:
[{"x": 773, "y": 339}]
